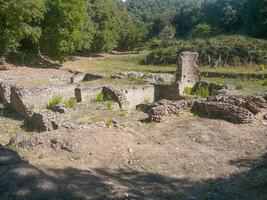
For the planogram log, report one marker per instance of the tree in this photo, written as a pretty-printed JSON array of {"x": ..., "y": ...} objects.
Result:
[
  {"x": 255, "y": 17},
  {"x": 103, "y": 14},
  {"x": 202, "y": 30},
  {"x": 19, "y": 20},
  {"x": 62, "y": 28},
  {"x": 167, "y": 34}
]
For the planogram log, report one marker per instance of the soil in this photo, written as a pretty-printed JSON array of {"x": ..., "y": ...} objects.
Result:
[{"x": 186, "y": 157}]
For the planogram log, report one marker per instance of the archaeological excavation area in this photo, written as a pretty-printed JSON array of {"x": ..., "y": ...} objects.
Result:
[{"x": 130, "y": 135}]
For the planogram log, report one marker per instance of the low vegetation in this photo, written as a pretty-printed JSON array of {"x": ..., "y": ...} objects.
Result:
[
  {"x": 216, "y": 51},
  {"x": 56, "y": 100},
  {"x": 71, "y": 102}
]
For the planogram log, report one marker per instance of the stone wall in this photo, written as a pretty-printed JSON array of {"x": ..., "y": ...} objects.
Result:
[{"x": 140, "y": 94}]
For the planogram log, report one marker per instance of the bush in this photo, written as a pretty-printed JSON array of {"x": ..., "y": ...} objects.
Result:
[
  {"x": 230, "y": 50},
  {"x": 188, "y": 90},
  {"x": 203, "y": 92},
  {"x": 54, "y": 102}
]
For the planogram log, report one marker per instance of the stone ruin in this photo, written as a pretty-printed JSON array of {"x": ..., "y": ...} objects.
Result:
[
  {"x": 167, "y": 99},
  {"x": 188, "y": 74}
]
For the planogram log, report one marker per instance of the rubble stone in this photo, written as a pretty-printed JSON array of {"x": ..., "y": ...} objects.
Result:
[
  {"x": 45, "y": 120},
  {"x": 163, "y": 109},
  {"x": 222, "y": 110}
]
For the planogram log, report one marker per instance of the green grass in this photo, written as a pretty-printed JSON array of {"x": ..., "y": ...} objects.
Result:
[
  {"x": 71, "y": 102},
  {"x": 188, "y": 90},
  {"x": 110, "y": 65},
  {"x": 249, "y": 86},
  {"x": 243, "y": 69},
  {"x": 54, "y": 102}
]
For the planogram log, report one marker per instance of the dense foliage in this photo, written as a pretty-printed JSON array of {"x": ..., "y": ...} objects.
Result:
[
  {"x": 220, "y": 50},
  {"x": 222, "y": 16},
  {"x": 59, "y": 28}
]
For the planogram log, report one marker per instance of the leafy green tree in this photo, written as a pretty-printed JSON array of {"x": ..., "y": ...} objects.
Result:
[
  {"x": 62, "y": 28},
  {"x": 103, "y": 14},
  {"x": 255, "y": 17},
  {"x": 19, "y": 20},
  {"x": 167, "y": 34},
  {"x": 202, "y": 30}
]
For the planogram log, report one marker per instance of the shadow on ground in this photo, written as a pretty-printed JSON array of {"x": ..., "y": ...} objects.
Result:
[{"x": 19, "y": 180}]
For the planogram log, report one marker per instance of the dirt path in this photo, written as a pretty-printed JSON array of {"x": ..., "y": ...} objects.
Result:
[{"x": 183, "y": 158}]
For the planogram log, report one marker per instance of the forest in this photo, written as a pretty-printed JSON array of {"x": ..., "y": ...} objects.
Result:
[{"x": 60, "y": 28}]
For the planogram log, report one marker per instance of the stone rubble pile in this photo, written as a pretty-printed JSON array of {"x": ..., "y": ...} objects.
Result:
[
  {"x": 233, "y": 108},
  {"x": 163, "y": 109}
]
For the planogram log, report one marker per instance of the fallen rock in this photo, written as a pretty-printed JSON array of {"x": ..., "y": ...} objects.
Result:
[
  {"x": 116, "y": 95},
  {"x": 163, "y": 109},
  {"x": 61, "y": 108},
  {"x": 21, "y": 141},
  {"x": 77, "y": 77},
  {"x": 44, "y": 120},
  {"x": 67, "y": 146},
  {"x": 19, "y": 101}
]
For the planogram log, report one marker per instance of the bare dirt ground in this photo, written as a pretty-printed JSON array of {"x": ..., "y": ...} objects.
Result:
[{"x": 184, "y": 158}]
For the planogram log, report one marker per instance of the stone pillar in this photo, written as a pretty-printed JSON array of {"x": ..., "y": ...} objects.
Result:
[
  {"x": 78, "y": 95},
  {"x": 188, "y": 73}
]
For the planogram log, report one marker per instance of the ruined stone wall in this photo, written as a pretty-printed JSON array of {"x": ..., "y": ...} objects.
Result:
[
  {"x": 139, "y": 94},
  {"x": 167, "y": 91}
]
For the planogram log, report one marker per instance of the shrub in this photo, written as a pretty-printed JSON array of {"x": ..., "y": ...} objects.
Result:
[
  {"x": 54, "y": 101},
  {"x": 100, "y": 97},
  {"x": 231, "y": 50},
  {"x": 264, "y": 82},
  {"x": 203, "y": 91},
  {"x": 109, "y": 105},
  {"x": 109, "y": 122},
  {"x": 71, "y": 103},
  {"x": 188, "y": 90}
]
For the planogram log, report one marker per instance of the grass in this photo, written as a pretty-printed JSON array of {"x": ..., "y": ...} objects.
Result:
[
  {"x": 110, "y": 65},
  {"x": 56, "y": 100},
  {"x": 229, "y": 69},
  {"x": 188, "y": 90},
  {"x": 249, "y": 86},
  {"x": 71, "y": 102}
]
